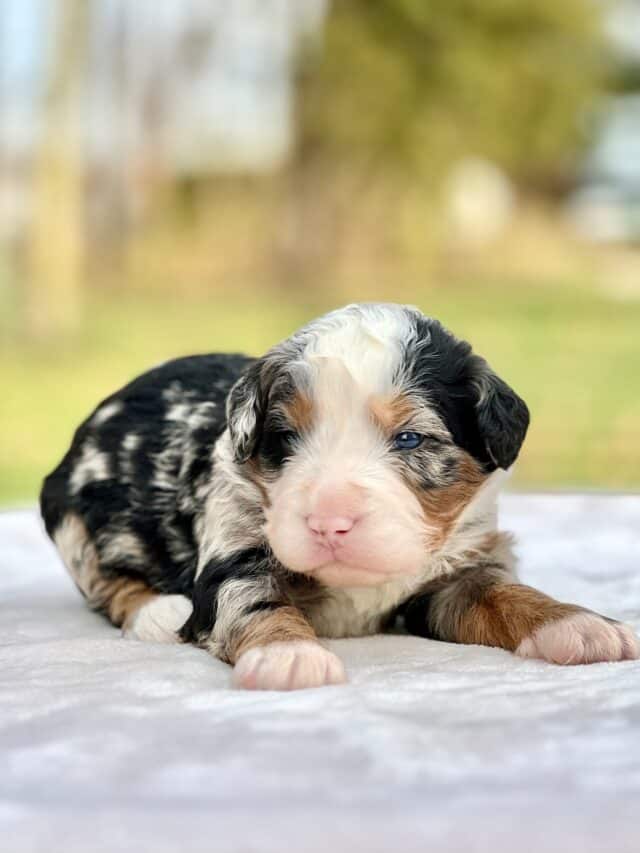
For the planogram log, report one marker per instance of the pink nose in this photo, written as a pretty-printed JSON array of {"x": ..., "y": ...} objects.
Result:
[{"x": 330, "y": 528}]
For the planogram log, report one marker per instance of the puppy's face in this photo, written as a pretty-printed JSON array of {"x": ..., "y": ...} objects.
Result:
[{"x": 369, "y": 432}]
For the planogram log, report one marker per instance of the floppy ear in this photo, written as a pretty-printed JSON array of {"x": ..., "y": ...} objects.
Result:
[
  {"x": 245, "y": 412},
  {"x": 502, "y": 417},
  {"x": 484, "y": 416}
]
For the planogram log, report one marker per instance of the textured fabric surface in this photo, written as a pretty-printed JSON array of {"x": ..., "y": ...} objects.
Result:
[{"x": 108, "y": 744}]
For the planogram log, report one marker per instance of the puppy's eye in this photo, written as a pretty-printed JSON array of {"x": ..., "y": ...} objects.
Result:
[
  {"x": 407, "y": 440},
  {"x": 277, "y": 445},
  {"x": 288, "y": 437}
]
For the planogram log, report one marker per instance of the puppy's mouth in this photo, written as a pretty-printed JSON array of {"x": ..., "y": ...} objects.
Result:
[
  {"x": 359, "y": 558},
  {"x": 336, "y": 573},
  {"x": 338, "y": 566}
]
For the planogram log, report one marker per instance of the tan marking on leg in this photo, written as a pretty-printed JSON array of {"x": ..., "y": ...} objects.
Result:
[
  {"x": 482, "y": 606},
  {"x": 124, "y": 598},
  {"x": 117, "y": 596},
  {"x": 286, "y": 624},
  {"x": 507, "y": 614},
  {"x": 280, "y": 651}
]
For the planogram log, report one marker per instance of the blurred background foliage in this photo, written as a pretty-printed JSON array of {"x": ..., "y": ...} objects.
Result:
[
  {"x": 208, "y": 175},
  {"x": 430, "y": 83}
]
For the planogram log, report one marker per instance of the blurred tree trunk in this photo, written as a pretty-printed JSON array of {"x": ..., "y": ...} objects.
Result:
[{"x": 56, "y": 246}]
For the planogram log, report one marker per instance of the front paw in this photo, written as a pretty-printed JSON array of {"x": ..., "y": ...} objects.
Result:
[
  {"x": 159, "y": 620},
  {"x": 287, "y": 666},
  {"x": 581, "y": 638}
]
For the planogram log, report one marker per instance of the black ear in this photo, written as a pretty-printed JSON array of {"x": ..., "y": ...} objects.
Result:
[
  {"x": 484, "y": 416},
  {"x": 246, "y": 405},
  {"x": 502, "y": 416}
]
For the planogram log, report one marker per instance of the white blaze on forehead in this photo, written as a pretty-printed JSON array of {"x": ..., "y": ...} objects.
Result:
[
  {"x": 367, "y": 341},
  {"x": 350, "y": 356}
]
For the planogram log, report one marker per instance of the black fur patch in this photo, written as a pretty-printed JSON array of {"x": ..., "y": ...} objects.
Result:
[
  {"x": 484, "y": 416},
  {"x": 255, "y": 426},
  {"x": 174, "y": 414},
  {"x": 244, "y": 565}
]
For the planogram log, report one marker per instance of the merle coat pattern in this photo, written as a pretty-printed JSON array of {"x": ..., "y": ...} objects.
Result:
[{"x": 345, "y": 479}]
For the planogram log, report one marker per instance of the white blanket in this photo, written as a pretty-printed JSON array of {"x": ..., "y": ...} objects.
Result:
[{"x": 109, "y": 745}]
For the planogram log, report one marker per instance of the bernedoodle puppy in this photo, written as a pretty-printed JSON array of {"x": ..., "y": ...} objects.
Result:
[{"x": 347, "y": 478}]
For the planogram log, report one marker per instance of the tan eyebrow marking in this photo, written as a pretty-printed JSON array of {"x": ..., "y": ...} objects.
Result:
[
  {"x": 299, "y": 411},
  {"x": 391, "y": 413}
]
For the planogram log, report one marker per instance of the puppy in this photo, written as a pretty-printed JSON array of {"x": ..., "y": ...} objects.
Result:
[{"x": 347, "y": 478}]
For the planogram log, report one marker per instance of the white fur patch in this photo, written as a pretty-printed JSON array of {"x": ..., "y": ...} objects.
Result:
[
  {"x": 131, "y": 442},
  {"x": 360, "y": 611},
  {"x": 92, "y": 467},
  {"x": 160, "y": 619},
  {"x": 366, "y": 340},
  {"x": 232, "y": 519},
  {"x": 581, "y": 638},
  {"x": 105, "y": 412},
  {"x": 288, "y": 666}
]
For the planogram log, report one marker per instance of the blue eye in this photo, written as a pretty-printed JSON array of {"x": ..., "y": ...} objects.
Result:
[{"x": 407, "y": 440}]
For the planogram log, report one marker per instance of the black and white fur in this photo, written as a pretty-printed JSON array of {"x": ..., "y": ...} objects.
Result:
[{"x": 252, "y": 505}]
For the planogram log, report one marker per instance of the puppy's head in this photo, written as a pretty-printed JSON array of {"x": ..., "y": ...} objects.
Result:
[{"x": 370, "y": 431}]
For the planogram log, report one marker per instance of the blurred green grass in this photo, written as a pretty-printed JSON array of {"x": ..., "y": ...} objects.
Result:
[{"x": 572, "y": 353}]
